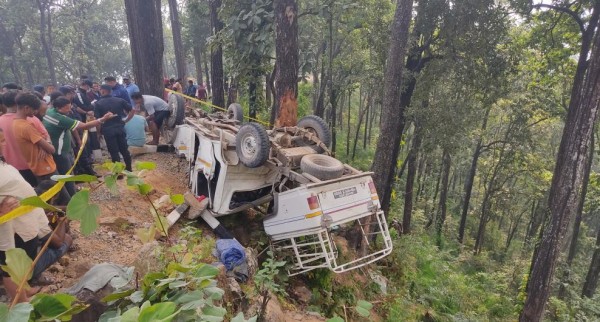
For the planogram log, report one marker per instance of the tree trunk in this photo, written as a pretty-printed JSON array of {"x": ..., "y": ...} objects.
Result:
[
  {"x": 566, "y": 182},
  {"x": 577, "y": 224},
  {"x": 216, "y": 70},
  {"x": 207, "y": 74},
  {"x": 360, "y": 119},
  {"x": 392, "y": 123},
  {"x": 146, "y": 36},
  {"x": 410, "y": 179},
  {"x": 177, "y": 43},
  {"x": 45, "y": 33},
  {"x": 468, "y": 188},
  {"x": 198, "y": 64},
  {"x": 348, "y": 131},
  {"x": 441, "y": 217},
  {"x": 285, "y": 112},
  {"x": 232, "y": 92},
  {"x": 319, "y": 109},
  {"x": 268, "y": 92},
  {"x": 591, "y": 279}
]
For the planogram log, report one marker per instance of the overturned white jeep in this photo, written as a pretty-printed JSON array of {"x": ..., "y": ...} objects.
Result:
[{"x": 287, "y": 172}]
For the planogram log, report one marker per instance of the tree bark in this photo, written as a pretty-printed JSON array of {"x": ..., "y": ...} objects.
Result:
[
  {"x": 441, "y": 217},
  {"x": 410, "y": 179},
  {"x": 577, "y": 224},
  {"x": 566, "y": 182},
  {"x": 591, "y": 278},
  {"x": 177, "y": 42},
  {"x": 392, "y": 123},
  {"x": 468, "y": 188},
  {"x": 348, "y": 131},
  {"x": 207, "y": 74},
  {"x": 216, "y": 70},
  {"x": 45, "y": 36},
  {"x": 285, "y": 112},
  {"x": 198, "y": 64},
  {"x": 144, "y": 23}
]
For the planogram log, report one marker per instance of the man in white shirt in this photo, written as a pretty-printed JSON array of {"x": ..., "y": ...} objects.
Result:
[{"x": 156, "y": 109}]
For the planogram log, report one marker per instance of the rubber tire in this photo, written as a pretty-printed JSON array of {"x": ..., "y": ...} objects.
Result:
[
  {"x": 177, "y": 109},
  {"x": 235, "y": 112},
  {"x": 322, "y": 167},
  {"x": 319, "y": 127},
  {"x": 256, "y": 156}
]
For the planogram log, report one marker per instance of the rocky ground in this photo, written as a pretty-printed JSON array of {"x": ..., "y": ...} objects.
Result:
[{"x": 115, "y": 240}]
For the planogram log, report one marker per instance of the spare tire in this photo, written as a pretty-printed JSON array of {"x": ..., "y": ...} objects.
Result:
[
  {"x": 323, "y": 167},
  {"x": 177, "y": 109},
  {"x": 252, "y": 145},
  {"x": 317, "y": 126},
  {"x": 235, "y": 112}
]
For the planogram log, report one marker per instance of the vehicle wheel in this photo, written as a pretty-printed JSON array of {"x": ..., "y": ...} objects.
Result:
[
  {"x": 252, "y": 145},
  {"x": 177, "y": 109},
  {"x": 321, "y": 166},
  {"x": 317, "y": 126},
  {"x": 235, "y": 112}
]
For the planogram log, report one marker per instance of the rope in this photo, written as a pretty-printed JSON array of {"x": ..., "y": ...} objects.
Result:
[
  {"x": 267, "y": 124},
  {"x": 22, "y": 210}
]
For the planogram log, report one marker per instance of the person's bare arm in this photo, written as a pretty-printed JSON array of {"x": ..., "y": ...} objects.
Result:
[
  {"x": 95, "y": 123},
  {"x": 76, "y": 136},
  {"x": 8, "y": 204},
  {"x": 130, "y": 115},
  {"x": 47, "y": 147}
]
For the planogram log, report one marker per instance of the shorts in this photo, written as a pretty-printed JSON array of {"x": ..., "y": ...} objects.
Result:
[{"x": 160, "y": 116}]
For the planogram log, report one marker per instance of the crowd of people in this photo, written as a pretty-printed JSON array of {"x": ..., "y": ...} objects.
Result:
[{"x": 41, "y": 131}]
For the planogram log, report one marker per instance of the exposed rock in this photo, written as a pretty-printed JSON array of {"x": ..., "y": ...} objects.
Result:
[
  {"x": 302, "y": 294},
  {"x": 147, "y": 259},
  {"x": 64, "y": 261},
  {"x": 252, "y": 261},
  {"x": 115, "y": 222},
  {"x": 274, "y": 312}
]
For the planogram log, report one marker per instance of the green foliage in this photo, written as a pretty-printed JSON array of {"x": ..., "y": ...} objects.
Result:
[
  {"x": 19, "y": 313},
  {"x": 80, "y": 209},
  {"x": 267, "y": 283},
  {"x": 36, "y": 201},
  {"x": 436, "y": 283},
  {"x": 17, "y": 266},
  {"x": 183, "y": 291}
]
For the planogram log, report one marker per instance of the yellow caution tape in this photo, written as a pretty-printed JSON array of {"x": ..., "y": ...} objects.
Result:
[
  {"x": 21, "y": 210},
  {"x": 267, "y": 124}
]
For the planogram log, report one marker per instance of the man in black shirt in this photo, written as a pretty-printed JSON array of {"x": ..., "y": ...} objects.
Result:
[{"x": 114, "y": 129}]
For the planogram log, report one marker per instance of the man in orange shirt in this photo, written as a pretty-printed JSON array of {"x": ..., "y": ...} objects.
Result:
[{"x": 36, "y": 151}]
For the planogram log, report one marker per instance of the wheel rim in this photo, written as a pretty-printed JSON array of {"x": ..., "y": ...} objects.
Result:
[{"x": 249, "y": 146}]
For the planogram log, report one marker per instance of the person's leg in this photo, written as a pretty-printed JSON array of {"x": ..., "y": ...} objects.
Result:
[
  {"x": 112, "y": 145},
  {"x": 63, "y": 164},
  {"x": 155, "y": 133},
  {"x": 124, "y": 149},
  {"x": 49, "y": 257},
  {"x": 29, "y": 177}
]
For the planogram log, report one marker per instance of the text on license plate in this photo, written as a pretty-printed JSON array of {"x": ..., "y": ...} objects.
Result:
[{"x": 344, "y": 193}]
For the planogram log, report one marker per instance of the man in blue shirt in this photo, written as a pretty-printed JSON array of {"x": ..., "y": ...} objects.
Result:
[
  {"x": 117, "y": 89},
  {"x": 129, "y": 86},
  {"x": 136, "y": 131}
]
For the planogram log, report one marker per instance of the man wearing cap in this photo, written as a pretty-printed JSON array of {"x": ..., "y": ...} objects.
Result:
[
  {"x": 129, "y": 86},
  {"x": 117, "y": 89},
  {"x": 84, "y": 107},
  {"x": 114, "y": 129},
  {"x": 157, "y": 111}
]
